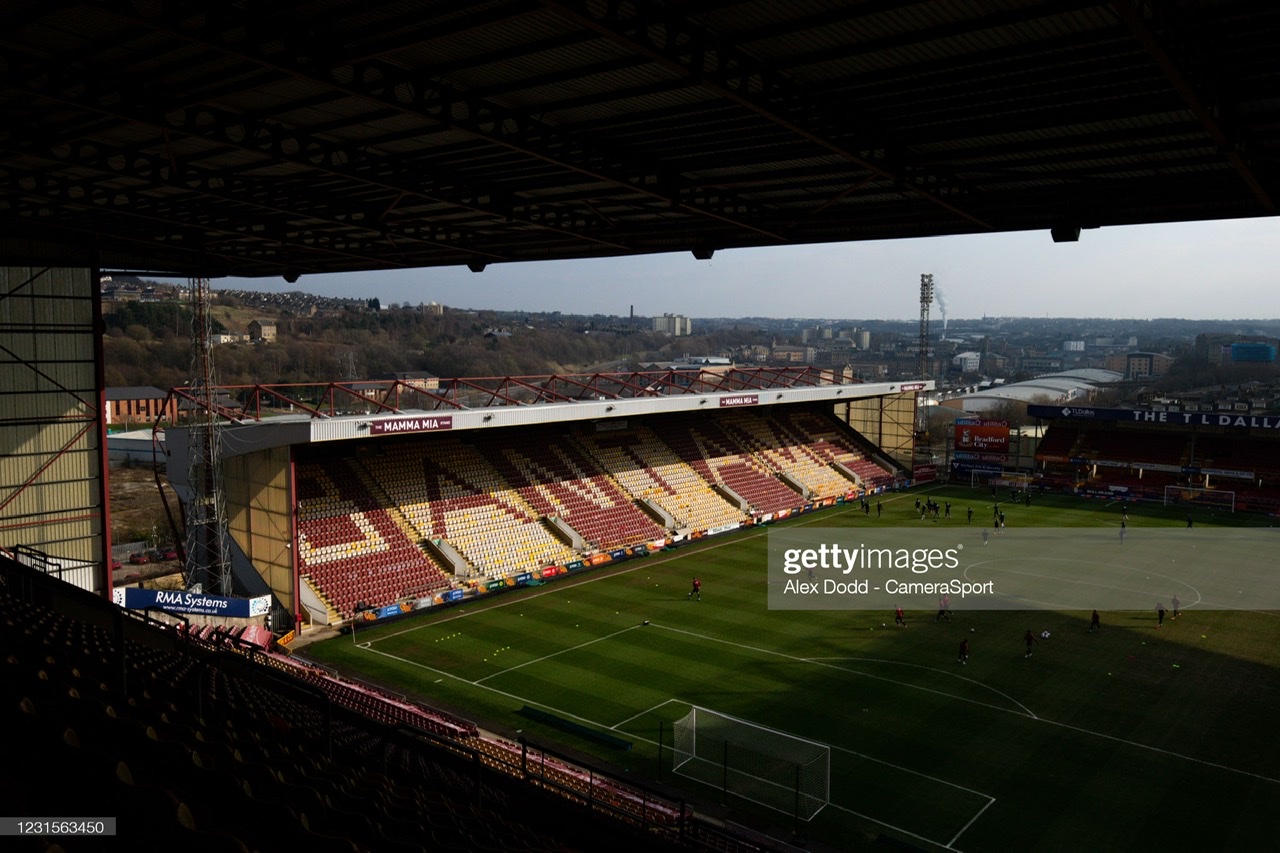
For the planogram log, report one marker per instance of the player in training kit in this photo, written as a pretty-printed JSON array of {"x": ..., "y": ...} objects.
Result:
[
  {"x": 697, "y": 590},
  {"x": 899, "y": 619},
  {"x": 1176, "y": 604},
  {"x": 1094, "y": 623},
  {"x": 1030, "y": 640},
  {"x": 1159, "y": 614},
  {"x": 964, "y": 652}
]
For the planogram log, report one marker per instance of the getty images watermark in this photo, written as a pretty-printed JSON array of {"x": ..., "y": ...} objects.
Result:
[{"x": 982, "y": 568}]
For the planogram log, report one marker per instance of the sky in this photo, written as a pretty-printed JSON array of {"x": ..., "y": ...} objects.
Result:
[{"x": 1202, "y": 270}]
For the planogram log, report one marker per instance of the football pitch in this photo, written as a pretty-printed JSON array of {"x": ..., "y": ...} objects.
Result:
[{"x": 1131, "y": 737}]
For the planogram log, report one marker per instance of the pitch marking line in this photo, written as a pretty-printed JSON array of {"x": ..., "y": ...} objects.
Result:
[
  {"x": 647, "y": 711},
  {"x": 554, "y": 654},
  {"x": 511, "y": 696},
  {"x": 1161, "y": 751},
  {"x": 945, "y": 672},
  {"x": 895, "y": 828},
  {"x": 1025, "y": 712},
  {"x": 991, "y": 801}
]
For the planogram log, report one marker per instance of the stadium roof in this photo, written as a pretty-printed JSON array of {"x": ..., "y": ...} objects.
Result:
[
  {"x": 256, "y": 139},
  {"x": 1050, "y": 388}
]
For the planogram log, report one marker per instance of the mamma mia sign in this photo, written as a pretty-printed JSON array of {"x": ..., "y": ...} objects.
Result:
[{"x": 177, "y": 601}]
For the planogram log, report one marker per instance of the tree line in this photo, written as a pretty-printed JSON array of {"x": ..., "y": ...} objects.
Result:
[{"x": 151, "y": 344}]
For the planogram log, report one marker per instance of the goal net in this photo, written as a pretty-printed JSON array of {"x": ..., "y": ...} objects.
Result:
[
  {"x": 1224, "y": 499},
  {"x": 763, "y": 765}
]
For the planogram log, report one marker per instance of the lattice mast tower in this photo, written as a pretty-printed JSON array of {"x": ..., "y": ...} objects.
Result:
[
  {"x": 208, "y": 559},
  {"x": 926, "y": 299}
]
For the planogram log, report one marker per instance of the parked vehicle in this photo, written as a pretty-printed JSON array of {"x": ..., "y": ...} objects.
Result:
[{"x": 139, "y": 558}]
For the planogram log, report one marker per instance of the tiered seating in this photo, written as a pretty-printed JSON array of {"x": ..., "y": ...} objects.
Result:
[
  {"x": 1135, "y": 446},
  {"x": 720, "y": 459},
  {"x": 558, "y": 479},
  {"x": 770, "y": 441},
  {"x": 1058, "y": 441},
  {"x": 826, "y": 439},
  {"x": 447, "y": 490},
  {"x": 350, "y": 547},
  {"x": 650, "y": 470},
  {"x": 1243, "y": 453},
  {"x": 200, "y": 749}
]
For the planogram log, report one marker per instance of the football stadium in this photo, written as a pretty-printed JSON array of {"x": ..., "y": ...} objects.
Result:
[{"x": 721, "y": 608}]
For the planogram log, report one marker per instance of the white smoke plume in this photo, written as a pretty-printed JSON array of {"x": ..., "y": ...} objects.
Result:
[{"x": 941, "y": 299}]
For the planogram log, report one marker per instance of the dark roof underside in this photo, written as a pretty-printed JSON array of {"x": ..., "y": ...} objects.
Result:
[{"x": 252, "y": 139}]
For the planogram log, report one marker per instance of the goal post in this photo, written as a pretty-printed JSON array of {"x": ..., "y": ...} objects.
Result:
[
  {"x": 1224, "y": 499},
  {"x": 770, "y": 768}
]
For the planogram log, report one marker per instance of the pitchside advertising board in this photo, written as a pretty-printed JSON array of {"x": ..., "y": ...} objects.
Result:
[
  {"x": 962, "y": 567},
  {"x": 177, "y": 601}
]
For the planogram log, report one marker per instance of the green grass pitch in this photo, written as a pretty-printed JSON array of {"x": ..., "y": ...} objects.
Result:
[{"x": 1129, "y": 738}]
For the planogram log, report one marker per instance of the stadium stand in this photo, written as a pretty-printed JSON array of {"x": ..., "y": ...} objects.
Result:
[
  {"x": 418, "y": 516},
  {"x": 204, "y": 743},
  {"x": 1183, "y": 457}
]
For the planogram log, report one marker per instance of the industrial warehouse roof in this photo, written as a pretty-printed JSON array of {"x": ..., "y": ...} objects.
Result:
[
  {"x": 255, "y": 139},
  {"x": 1050, "y": 388}
]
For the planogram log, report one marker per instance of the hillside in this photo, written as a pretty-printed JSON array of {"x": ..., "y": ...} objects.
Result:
[{"x": 325, "y": 340}]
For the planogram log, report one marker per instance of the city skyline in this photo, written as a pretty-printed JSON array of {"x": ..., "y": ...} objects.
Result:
[{"x": 1218, "y": 270}]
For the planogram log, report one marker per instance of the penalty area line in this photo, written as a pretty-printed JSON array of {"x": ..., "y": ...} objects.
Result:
[
  {"x": 991, "y": 801},
  {"x": 888, "y": 825},
  {"x": 647, "y": 711}
]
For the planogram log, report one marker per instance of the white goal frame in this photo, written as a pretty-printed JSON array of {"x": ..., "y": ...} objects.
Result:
[
  {"x": 1193, "y": 495},
  {"x": 774, "y": 769}
]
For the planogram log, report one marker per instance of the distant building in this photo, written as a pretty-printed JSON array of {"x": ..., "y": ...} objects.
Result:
[
  {"x": 263, "y": 331},
  {"x": 676, "y": 325},
  {"x": 139, "y": 405},
  {"x": 418, "y": 379},
  {"x": 1140, "y": 365},
  {"x": 793, "y": 355},
  {"x": 1033, "y": 363},
  {"x": 967, "y": 362},
  {"x": 1073, "y": 346},
  {"x": 1252, "y": 352}
]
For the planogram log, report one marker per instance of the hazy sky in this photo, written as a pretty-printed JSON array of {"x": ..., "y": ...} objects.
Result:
[{"x": 1202, "y": 270}]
